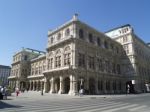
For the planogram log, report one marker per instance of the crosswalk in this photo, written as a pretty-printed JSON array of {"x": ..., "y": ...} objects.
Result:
[{"x": 72, "y": 105}]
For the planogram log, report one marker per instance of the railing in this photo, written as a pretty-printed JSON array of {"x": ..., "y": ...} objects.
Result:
[{"x": 59, "y": 41}]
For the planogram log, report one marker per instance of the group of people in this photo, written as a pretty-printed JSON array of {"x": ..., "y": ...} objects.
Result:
[{"x": 3, "y": 93}]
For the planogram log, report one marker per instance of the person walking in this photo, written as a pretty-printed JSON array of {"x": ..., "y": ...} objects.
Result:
[
  {"x": 42, "y": 92},
  {"x": 1, "y": 95},
  {"x": 81, "y": 91},
  {"x": 17, "y": 92},
  {"x": 4, "y": 93}
]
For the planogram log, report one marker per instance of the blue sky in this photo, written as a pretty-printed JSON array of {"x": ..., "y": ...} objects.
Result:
[{"x": 25, "y": 23}]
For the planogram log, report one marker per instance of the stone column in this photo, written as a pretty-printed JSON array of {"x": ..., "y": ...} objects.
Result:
[
  {"x": 41, "y": 83},
  {"x": 61, "y": 89},
  {"x": 52, "y": 85},
  {"x": 104, "y": 87},
  {"x": 74, "y": 86},
  {"x": 117, "y": 86},
  {"x": 14, "y": 84},
  {"x": 71, "y": 85},
  {"x": 30, "y": 85},
  {"x": 87, "y": 83},
  {"x": 10, "y": 84},
  {"x": 111, "y": 86},
  {"x": 123, "y": 86},
  {"x": 17, "y": 84},
  {"x": 45, "y": 85},
  {"x": 96, "y": 85},
  {"x": 33, "y": 85}
]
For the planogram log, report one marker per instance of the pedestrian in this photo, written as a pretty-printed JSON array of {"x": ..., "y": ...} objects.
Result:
[
  {"x": 42, "y": 92},
  {"x": 81, "y": 91},
  {"x": 1, "y": 96},
  {"x": 128, "y": 89},
  {"x": 17, "y": 92},
  {"x": 4, "y": 93}
]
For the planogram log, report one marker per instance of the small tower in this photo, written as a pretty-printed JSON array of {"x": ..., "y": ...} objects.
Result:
[{"x": 75, "y": 17}]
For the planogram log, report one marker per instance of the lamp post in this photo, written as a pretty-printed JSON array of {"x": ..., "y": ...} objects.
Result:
[{"x": 81, "y": 83}]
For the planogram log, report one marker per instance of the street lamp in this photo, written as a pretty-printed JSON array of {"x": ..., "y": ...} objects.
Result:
[{"x": 81, "y": 83}]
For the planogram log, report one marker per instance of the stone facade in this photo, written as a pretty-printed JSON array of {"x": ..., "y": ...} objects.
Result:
[
  {"x": 21, "y": 67},
  {"x": 35, "y": 79},
  {"x": 78, "y": 56},
  {"x": 137, "y": 66}
]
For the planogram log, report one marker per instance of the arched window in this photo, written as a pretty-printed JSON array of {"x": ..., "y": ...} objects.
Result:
[
  {"x": 67, "y": 56},
  {"x": 59, "y": 36},
  {"x": 106, "y": 44},
  {"x": 50, "y": 63},
  {"x": 107, "y": 85},
  {"x": 49, "y": 60},
  {"x": 52, "y": 40},
  {"x": 112, "y": 46},
  {"x": 67, "y": 32},
  {"x": 100, "y": 85},
  {"x": 81, "y": 34},
  {"x": 91, "y": 38},
  {"x": 114, "y": 85},
  {"x": 58, "y": 59},
  {"x": 118, "y": 69},
  {"x": 98, "y": 41}
]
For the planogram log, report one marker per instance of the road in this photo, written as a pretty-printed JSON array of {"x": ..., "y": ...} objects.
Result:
[{"x": 34, "y": 102}]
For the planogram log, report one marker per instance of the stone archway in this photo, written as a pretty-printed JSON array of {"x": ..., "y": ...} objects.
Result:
[
  {"x": 66, "y": 85},
  {"x": 31, "y": 86},
  {"x": 56, "y": 85},
  {"x": 35, "y": 86},
  {"x": 92, "y": 89},
  {"x": 38, "y": 86},
  {"x": 22, "y": 85}
]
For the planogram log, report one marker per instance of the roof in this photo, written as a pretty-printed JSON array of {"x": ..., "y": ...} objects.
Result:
[
  {"x": 4, "y": 66},
  {"x": 126, "y": 25},
  {"x": 30, "y": 50}
]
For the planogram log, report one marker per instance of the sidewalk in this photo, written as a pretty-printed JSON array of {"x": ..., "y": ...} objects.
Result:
[{"x": 37, "y": 95}]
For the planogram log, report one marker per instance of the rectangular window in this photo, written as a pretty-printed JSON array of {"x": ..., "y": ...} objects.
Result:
[
  {"x": 81, "y": 61},
  {"x": 125, "y": 38},
  {"x": 99, "y": 61},
  {"x": 91, "y": 38},
  {"x": 67, "y": 59},
  {"x": 126, "y": 48},
  {"x": 58, "y": 61},
  {"x": 91, "y": 62}
]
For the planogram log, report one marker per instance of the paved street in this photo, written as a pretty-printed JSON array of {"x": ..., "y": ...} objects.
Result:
[{"x": 34, "y": 102}]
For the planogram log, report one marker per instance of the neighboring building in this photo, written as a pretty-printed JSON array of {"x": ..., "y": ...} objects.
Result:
[
  {"x": 36, "y": 77},
  {"x": 78, "y": 56},
  {"x": 21, "y": 67},
  {"x": 4, "y": 74},
  {"x": 138, "y": 64},
  {"x": 148, "y": 44}
]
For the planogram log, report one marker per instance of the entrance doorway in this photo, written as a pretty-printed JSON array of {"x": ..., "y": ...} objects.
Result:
[
  {"x": 66, "y": 85},
  {"x": 92, "y": 86},
  {"x": 57, "y": 85},
  {"x": 130, "y": 86}
]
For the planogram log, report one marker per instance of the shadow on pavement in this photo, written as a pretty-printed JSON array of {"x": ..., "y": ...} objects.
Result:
[{"x": 6, "y": 105}]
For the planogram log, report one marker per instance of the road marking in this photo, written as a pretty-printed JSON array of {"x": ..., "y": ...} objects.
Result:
[
  {"x": 75, "y": 108},
  {"x": 137, "y": 108},
  {"x": 106, "y": 107},
  {"x": 120, "y": 108}
]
